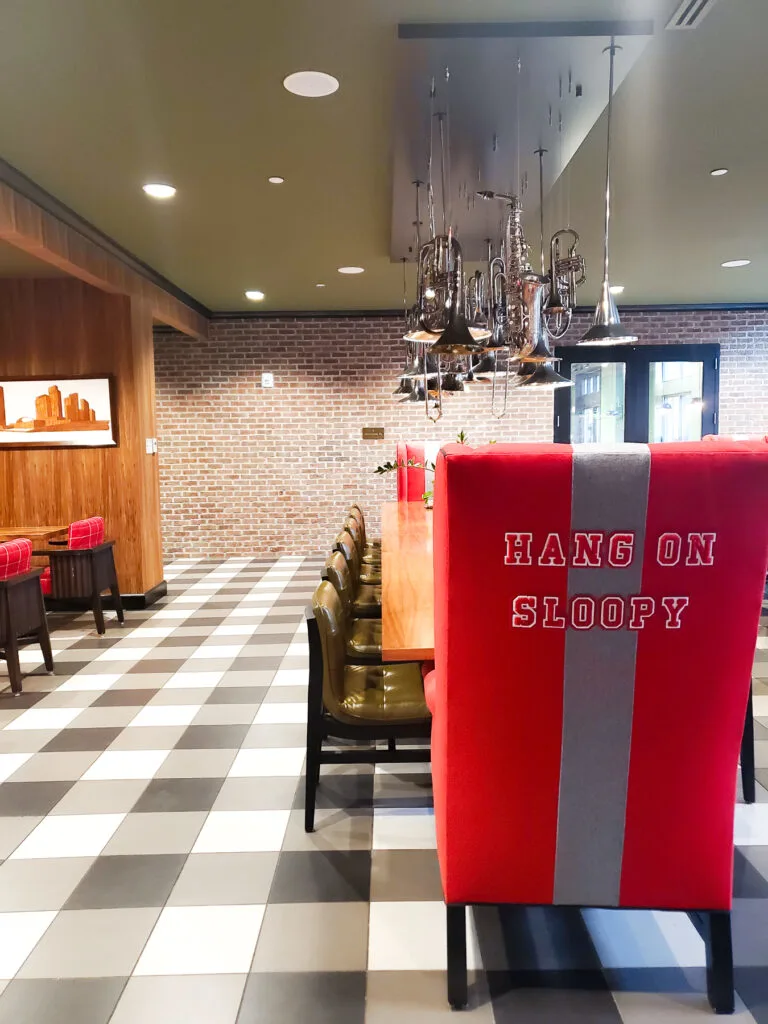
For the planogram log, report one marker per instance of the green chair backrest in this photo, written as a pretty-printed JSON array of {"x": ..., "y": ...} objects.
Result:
[
  {"x": 346, "y": 544},
  {"x": 329, "y": 615},
  {"x": 336, "y": 571}
]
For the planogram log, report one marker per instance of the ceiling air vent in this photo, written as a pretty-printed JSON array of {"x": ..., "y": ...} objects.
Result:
[{"x": 690, "y": 13}]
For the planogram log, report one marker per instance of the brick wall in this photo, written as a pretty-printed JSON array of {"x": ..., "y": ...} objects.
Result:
[{"x": 246, "y": 469}]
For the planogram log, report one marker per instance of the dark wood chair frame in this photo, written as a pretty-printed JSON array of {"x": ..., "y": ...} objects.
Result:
[
  {"x": 714, "y": 926},
  {"x": 22, "y": 621},
  {"x": 84, "y": 574},
  {"x": 323, "y": 726},
  {"x": 748, "y": 754}
]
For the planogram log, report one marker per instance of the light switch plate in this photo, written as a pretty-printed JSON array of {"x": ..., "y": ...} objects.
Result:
[{"x": 267, "y": 380}]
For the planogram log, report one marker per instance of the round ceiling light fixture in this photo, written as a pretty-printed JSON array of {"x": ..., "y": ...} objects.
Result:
[
  {"x": 719, "y": 172},
  {"x": 311, "y": 83},
  {"x": 735, "y": 263},
  {"x": 275, "y": 180},
  {"x": 351, "y": 270},
  {"x": 159, "y": 190},
  {"x": 254, "y": 295},
  {"x": 617, "y": 289},
  {"x": 320, "y": 286}
]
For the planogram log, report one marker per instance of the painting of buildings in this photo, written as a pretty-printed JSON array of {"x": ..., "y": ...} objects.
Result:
[{"x": 60, "y": 412}]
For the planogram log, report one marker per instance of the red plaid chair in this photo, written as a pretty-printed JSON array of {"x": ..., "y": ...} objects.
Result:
[
  {"x": 22, "y": 613},
  {"x": 593, "y": 659},
  {"x": 84, "y": 568}
]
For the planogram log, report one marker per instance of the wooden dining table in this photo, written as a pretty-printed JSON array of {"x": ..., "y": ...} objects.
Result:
[
  {"x": 37, "y": 534},
  {"x": 407, "y": 602}
]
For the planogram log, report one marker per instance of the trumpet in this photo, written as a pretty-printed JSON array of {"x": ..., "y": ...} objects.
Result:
[
  {"x": 440, "y": 288},
  {"x": 566, "y": 274}
]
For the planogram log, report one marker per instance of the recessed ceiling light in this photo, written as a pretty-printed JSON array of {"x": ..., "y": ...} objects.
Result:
[
  {"x": 319, "y": 286},
  {"x": 254, "y": 296},
  {"x": 617, "y": 289},
  {"x": 311, "y": 83},
  {"x": 719, "y": 172},
  {"x": 158, "y": 190},
  {"x": 275, "y": 180},
  {"x": 351, "y": 270},
  {"x": 735, "y": 263}
]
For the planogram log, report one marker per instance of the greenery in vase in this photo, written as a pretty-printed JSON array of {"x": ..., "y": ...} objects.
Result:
[{"x": 389, "y": 467}]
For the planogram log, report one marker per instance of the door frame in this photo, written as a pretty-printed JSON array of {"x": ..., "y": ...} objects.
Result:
[{"x": 637, "y": 383}]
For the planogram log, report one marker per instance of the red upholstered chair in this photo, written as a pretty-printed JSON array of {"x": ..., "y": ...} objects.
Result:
[
  {"x": 22, "y": 614},
  {"x": 593, "y": 659},
  {"x": 413, "y": 481},
  {"x": 84, "y": 568}
]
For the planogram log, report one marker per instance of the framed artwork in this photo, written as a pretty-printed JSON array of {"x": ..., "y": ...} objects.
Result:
[{"x": 67, "y": 412}]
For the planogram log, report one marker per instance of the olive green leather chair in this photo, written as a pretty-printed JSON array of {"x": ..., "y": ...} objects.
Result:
[
  {"x": 364, "y": 599},
  {"x": 363, "y": 634},
  {"x": 356, "y": 702},
  {"x": 370, "y": 559},
  {"x": 370, "y": 544},
  {"x": 361, "y": 574}
]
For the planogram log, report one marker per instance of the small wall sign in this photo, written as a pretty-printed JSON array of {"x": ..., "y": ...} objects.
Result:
[
  {"x": 267, "y": 380},
  {"x": 373, "y": 433}
]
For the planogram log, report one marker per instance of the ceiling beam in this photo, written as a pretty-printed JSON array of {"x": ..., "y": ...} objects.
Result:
[
  {"x": 35, "y": 221},
  {"x": 523, "y": 29}
]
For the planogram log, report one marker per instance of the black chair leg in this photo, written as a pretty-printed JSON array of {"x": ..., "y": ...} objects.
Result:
[
  {"x": 12, "y": 658},
  {"x": 98, "y": 613},
  {"x": 314, "y": 746},
  {"x": 456, "y": 926},
  {"x": 43, "y": 636},
  {"x": 391, "y": 746},
  {"x": 115, "y": 592},
  {"x": 720, "y": 962},
  {"x": 748, "y": 754}
]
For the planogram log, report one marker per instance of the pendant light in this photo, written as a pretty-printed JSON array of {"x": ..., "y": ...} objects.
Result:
[{"x": 606, "y": 326}]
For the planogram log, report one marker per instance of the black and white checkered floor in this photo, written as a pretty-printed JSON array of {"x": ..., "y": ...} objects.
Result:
[{"x": 155, "y": 869}]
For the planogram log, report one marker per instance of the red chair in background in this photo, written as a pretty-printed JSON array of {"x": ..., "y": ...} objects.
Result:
[
  {"x": 593, "y": 659},
  {"x": 413, "y": 481},
  {"x": 84, "y": 568},
  {"x": 22, "y": 613}
]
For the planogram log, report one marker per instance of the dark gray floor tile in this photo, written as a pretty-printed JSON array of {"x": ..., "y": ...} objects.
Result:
[
  {"x": 254, "y": 664},
  {"x": 176, "y": 641},
  {"x": 23, "y": 700},
  {"x": 343, "y": 791},
  {"x": 266, "y": 638},
  {"x": 238, "y": 695},
  {"x": 157, "y": 664},
  {"x": 752, "y": 986},
  {"x": 124, "y": 698},
  {"x": 68, "y": 668},
  {"x": 207, "y": 737},
  {"x": 750, "y": 935},
  {"x": 178, "y": 795},
  {"x": 322, "y": 998},
  {"x": 82, "y": 739},
  {"x": 29, "y": 798},
  {"x": 405, "y": 875},
  {"x": 127, "y": 881},
  {"x": 61, "y": 1001},
  {"x": 322, "y": 877}
]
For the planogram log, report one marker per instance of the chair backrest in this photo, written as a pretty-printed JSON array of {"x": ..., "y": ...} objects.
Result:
[
  {"x": 352, "y": 526},
  {"x": 336, "y": 571},
  {"x": 86, "y": 533},
  {"x": 414, "y": 481},
  {"x": 331, "y": 623},
  {"x": 594, "y": 646},
  {"x": 346, "y": 544},
  {"x": 356, "y": 513},
  {"x": 15, "y": 558}
]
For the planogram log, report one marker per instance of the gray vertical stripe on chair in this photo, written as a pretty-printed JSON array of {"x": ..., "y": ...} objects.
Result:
[{"x": 609, "y": 493}]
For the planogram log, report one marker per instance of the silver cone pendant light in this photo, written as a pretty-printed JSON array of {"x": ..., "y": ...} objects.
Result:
[
  {"x": 544, "y": 375},
  {"x": 606, "y": 326}
]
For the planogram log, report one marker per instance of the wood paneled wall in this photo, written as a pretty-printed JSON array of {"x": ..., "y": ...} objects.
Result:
[{"x": 64, "y": 327}]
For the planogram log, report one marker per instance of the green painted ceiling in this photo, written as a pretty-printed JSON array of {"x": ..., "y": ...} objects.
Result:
[{"x": 98, "y": 96}]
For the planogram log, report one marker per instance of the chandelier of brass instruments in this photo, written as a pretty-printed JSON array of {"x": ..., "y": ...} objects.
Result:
[{"x": 497, "y": 327}]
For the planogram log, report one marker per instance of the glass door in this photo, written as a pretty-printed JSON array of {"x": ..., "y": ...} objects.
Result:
[{"x": 637, "y": 393}]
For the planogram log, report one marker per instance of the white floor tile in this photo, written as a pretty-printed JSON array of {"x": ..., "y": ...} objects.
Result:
[
  {"x": 644, "y": 938},
  {"x": 401, "y": 828},
  {"x": 268, "y": 761},
  {"x": 172, "y": 613},
  {"x": 10, "y": 763},
  {"x": 69, "y": 835},
  {"x": 19, "y": 934},
  {"x": 118, "y": 653},
  {"x": 298, "y": 649},
  {"x": 218, "y": 651},
  {"x": 237, "y": 630},
  {"x": 193, "y": 680},
  {"x": 280, "y": 714},
  {"x": 166, "y": 714},
  {"x": 252, "y": 614},
  {"x": 751, "y": 825},
  {"x": 762, "y": 643},
  {"x": 126, "y": 764},
  {"x": 760, "y": 706},
  {"x": 97, "y": 681},
  {"x": 44, "y": 718},
  {"x": 410, "y": 936},
  {"x": 290, "y": 677},
  {"x": 202, "y": 940},
  {"x": 242, "y": 832},
  {"x": 32, "y": 656}
]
